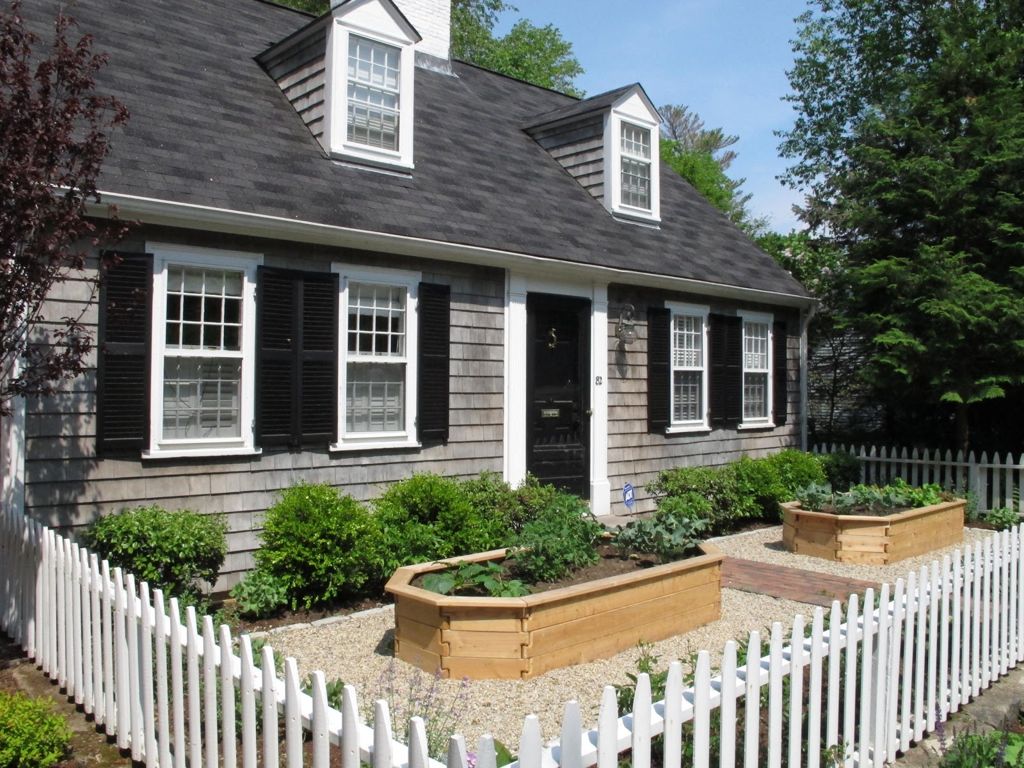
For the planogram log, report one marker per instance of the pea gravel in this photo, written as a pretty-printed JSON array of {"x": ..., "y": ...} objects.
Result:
[{"x": 358, "y": 649}]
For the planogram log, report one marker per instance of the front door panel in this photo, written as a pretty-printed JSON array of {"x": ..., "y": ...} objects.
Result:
[{"x": 558, "y": 406}]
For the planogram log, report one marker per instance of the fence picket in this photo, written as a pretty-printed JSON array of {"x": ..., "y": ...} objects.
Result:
[
  {"x": 570, "y": 745},
  {"x": 146, "y": 673},
  {"x": 814, "y": 710},
  {"x": 1004, "y": 602},
  {"x": 976, "y": 614},
  {"x": 909, "y": 643},
  {"x": 122, "y": 664},
  {"x": 881, "y": 679},
  {"x": 382, "y": 735},
  {"x": 752, "y": 701},
  {"x": 923, "y": 592},
  {"x": 247, "y": 691},
  {"x": 210, "y": 694},
  {"x": 796, "y": 689},
  {"x": 701, "y": 713},
  {"x": 321, "y": 745},
  {"x": 227, "y": 698},
  {"x": 96, "y": 633},
  {"x": 107, "y": 599},
  {"x": 641, "y": 742},
  {"x": 955, "y": 631},
  {"x": 867, "y": 688},
  {"x": 727, "y": 708},
  {"x": 775, "y": 697},
  {"x": 893, "y": 682},
  {"x": 850, "y": 698},
  {"x": 418, "y": 742},
  {"x": 195, "y": 742},
  {"x": 85, "y": 628},
  {"x": 530, "y": 741},
  {"x": 673, "y": 743},
  {"x": 945, "y": 579},
  {"x": 160, "y": 629},
  {"x": 268, "y": 699},
  {"x": 177, "y": 684},
  {"x": 607, "y": 729},
  {"x": 293, "y": 717},
  {"x": 835, "y": 650}
]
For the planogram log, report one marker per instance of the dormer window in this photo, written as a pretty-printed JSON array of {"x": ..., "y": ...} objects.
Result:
[
  {"x": 636, "y": 166},
  {"x": 371, "y": 64},
  {"x": 374, "y": 84}
]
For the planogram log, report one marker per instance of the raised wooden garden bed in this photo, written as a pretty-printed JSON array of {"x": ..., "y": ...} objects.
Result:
[
  {"x": 872, "y": 539},
  {"x": 509, "y": 638}
]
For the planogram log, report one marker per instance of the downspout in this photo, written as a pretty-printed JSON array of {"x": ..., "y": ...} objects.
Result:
[{"x": 806, "y": 315}]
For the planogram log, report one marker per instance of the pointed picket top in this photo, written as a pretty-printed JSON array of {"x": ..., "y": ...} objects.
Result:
[
  {"x": 350, "y": 723},
  {"x": 530, "y": 744},
  {"x": 486, "y": 755},
  {"x": 269, "y": 714},
  {"x": 292, "y": 714},
  {"x": 641, "y": 724},
  {"x": 673, "y": 714},
  {"x": 607, "y": 730},
  {"x": 418, "y": 757},
  {"x": 457, "y": 756},
  {"x": 321, "y": 744},
  {"x": 569, "y": 751},
  {"x": 701, "y": 711},
  {"x": 381, "y": 735}
]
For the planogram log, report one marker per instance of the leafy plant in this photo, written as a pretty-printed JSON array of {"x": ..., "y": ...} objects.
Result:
[
  {"x": 997, "y": 749},
  {"x": 815, "y": 496},
  {"x": 666, "y": 535},
  {"x": 32, "y": 735},
  {"x": 794, "y": 470},
  {"x": 1002, "y": 518},
  {"x": 174, "y": 551},
  {"x": 319, "y": 545},
  {"x": 871, "y": 499},
  {"x": 260, "y": 594},
  {"x": 335, "y": 690},
  {"x": 475, "y": 579},
  {"x": 557, "y": 542}
]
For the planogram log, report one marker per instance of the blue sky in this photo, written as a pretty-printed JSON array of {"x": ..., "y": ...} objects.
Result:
[{"x": 725, "y": 59}]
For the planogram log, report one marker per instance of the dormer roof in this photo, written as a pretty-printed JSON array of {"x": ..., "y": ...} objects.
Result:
[{"x": 602, "y": 102}]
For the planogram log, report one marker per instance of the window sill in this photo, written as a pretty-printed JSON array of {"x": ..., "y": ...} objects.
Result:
[
  {"x": 358, "y": 154},
  {"x": 374, "y": 445},
  {"x": 684, "y": 429},
  {"x": 207, "y": 452},
  {"x": 756, "y": 425}
]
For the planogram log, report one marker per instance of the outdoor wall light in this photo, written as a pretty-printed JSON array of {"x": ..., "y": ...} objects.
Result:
[{"x": 625, "y": 331}]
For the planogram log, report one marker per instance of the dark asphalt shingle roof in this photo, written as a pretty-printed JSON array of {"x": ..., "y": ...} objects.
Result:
[
  {"x": 209, "y": 127},
  {"x": 598, "y": 103}
]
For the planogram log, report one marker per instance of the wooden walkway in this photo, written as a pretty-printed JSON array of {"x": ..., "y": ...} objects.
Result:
[{"x": 790, "y": 583}]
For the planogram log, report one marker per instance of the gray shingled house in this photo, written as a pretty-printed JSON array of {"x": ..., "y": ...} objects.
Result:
[{"x": 357, "y": 259}]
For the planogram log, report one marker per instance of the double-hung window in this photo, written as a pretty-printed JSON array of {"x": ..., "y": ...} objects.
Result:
[
  {"x": 203, "y": 346},
  {"x": 374, "y": 81},
  {"x": 756, "y": 368},
  {"x": 688, "y": 366},
  {"x": 377, "y": 374},
  {"x": 635, "y": 173}
]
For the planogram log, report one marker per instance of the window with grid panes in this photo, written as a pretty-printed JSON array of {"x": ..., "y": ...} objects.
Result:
[
  {"x": 636, "y": 166},
  {"x": 377, "y": 363},
  {"x": 374, "y": 72},
  {"x": 202, "y": 354},
  {"x": 755, "y": 370},
  {"x": 688, "y": 367}
]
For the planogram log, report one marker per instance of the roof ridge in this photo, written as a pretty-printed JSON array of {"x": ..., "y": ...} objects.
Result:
[{"x": 515, "y": 79}]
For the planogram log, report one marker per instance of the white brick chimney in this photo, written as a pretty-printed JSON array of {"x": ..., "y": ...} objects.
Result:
[{"x": 433, "y": 20}]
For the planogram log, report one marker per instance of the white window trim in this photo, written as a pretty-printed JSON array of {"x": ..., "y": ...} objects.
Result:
[
  {"x": 766, "y": 318},
  {"x": 365, "y": 441},
  {"x": 165, "y": 255},
  {"x": 613, "y": 168},
  {"x": 688, "y": 310},
  {"x": 336, "y": 98}
]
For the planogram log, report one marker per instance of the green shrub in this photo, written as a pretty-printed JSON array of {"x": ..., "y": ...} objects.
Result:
[
  {"x": 714, "y": 484},
  {"x": 795, "y": 470},
  {"x": 31, "y": 734},
  {"x": 984, "y": 750},
  {"x": 260, "y": 594},
  {"x": 688, "y": 505},
  {"x": 841, "y": 470},
  {"x": 320, "y": 545},
  {"x": 758, "y": 488},
  {"x": 494, "y": 499},
  {"x": 1002, "y": 518},
  {"x": 428, "y": 517},
  {"x": 173, "y": 551},
  {"x": 558, "y": 541}
]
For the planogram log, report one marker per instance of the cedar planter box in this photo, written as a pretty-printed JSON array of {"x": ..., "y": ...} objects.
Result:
[
  {"x": 872, "y": 539},
  {"x": 511, "y": 638}
]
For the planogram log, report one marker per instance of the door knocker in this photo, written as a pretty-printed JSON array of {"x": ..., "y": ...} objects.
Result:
[{"x": 552, "y": 339}]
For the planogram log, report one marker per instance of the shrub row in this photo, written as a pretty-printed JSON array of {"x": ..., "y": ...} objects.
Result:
[{"x": 729, "y": 496}]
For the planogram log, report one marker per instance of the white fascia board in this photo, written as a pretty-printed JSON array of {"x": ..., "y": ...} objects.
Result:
[{"x": 209, "y": 219}]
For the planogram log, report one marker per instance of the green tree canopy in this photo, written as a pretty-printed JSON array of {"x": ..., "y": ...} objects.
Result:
[
  {"x": 538, "y": 55},
  {"x": 909, "y": 143},
  {"x": 701, "y": 155}
]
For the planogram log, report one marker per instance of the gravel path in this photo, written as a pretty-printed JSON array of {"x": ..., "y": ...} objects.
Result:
[
  {"x": 765, "y": 545},
  {"x": 358, "y": 650}
]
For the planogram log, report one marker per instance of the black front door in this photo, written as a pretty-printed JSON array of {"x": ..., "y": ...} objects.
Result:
[{"x": 558, "y": 395}]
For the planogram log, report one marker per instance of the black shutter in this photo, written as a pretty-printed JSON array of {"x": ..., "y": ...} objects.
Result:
[
  {"x": 296, "y": 362},
  {"x": 122, "y": 376},
  {"x": 659, "y": 352},
  {"x": 725, "y": 377},
  {"x": 433, "y": 385},
  {"x": 779, "y": 383}
]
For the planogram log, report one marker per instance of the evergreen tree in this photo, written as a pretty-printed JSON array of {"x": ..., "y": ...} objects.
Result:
[{"x": 909, "y": 143}]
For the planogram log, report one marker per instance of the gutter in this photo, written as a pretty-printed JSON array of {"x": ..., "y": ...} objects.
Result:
[{"x": 200, "y": 217}]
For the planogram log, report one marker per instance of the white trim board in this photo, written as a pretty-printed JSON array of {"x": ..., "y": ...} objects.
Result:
[{"x": 209, "y": 219}]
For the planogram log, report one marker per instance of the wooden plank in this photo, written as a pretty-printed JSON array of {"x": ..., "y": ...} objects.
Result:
[
  {"x": 583, "y": 605},
  {"x": 473, "y": 621},
  {"x": 425, "y": 636},
  {"x": 482, "y": 645},
  {"x": 417, "y": 656},
  {"x": 416, "y": 610},
  {"x": 486, "y": 669},
  {"x": 627, "y": 637}
]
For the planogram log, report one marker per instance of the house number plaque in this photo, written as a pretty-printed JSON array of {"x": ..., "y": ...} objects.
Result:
[{"x": 549, "y": 413}]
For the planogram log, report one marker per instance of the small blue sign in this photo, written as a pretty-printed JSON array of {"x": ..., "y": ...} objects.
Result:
[{"x": 627, "y": 496}]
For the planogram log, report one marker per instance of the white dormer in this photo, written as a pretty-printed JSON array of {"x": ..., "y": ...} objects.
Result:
[
  {"x": 369, "y": 84},
  {"x": 632, "y": 183}
]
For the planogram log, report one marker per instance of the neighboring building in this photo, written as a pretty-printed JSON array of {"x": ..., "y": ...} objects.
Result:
[{"x": 357, "y": 259}]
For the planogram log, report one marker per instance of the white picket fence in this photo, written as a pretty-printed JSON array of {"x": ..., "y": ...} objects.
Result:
[
  {"x": 994, "y": 482},
  {"x": 866, "y": 681}
]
